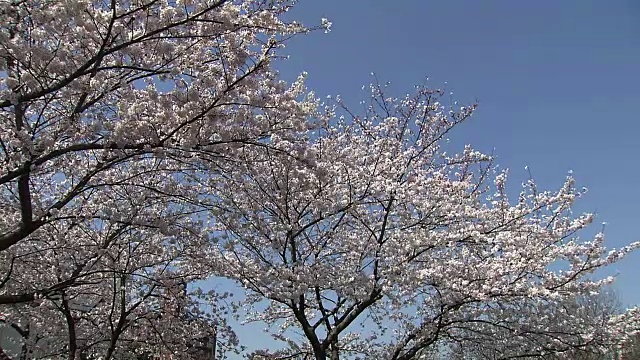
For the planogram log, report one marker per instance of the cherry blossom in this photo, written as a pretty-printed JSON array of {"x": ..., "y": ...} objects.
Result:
[
  {"x": 148, "y": 146},
  {"x": 110, "y": 114},
  {"x": 380, "y": 245}
]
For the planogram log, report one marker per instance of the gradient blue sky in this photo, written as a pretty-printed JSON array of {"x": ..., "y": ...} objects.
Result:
[{"x": 558, "y": 83}]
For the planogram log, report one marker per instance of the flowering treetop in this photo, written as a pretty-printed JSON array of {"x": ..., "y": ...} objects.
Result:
[
  {"x": 109, "y": 113},
  {"x": 380, "y": 244},
  {"x": 146, "y": 145}
]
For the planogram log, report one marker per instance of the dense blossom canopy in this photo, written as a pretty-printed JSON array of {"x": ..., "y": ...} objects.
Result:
[
  {"x": 148, "y": 145},
  {"x": 379, "y": 244},
  {"x": 109, "y": 113}
]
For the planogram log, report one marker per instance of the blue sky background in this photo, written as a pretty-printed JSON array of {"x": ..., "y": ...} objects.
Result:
[{"x": 558, "y": 83}]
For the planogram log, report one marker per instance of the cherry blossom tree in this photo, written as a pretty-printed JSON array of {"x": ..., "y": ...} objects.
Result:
[
  {"x": 603, "y": 307},
  {"x": 111, "y": 113},
  {"x": 147, "y": 145},
  {"x": 379, "y": 244}
]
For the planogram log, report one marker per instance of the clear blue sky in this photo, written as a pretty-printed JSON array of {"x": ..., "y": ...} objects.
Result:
[{"x": 558, "y": 83}]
